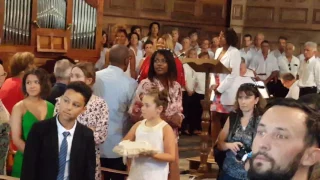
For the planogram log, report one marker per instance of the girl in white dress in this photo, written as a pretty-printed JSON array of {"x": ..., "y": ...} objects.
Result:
[{"x": 158, "y": 133}]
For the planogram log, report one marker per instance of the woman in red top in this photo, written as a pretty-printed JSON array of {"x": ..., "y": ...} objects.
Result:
[
  {"x": 163, "y": 42},
  {"x": 11, "y": 90}
]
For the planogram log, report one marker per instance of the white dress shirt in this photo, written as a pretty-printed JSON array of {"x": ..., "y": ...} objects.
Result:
[
  {"x": 177, "y": 47},
  {"x": 264, "y": 66},
  {"x": 189, "y": 75},
  {"x": 61, "y": 130},
  {"x": 247, "y": 55},
  {"x": 117, "y": 89},
  {"x": 286, "y": 67},
  {"x": 277, "y": 53},
  {"x": 294, "y": 91},
  {"x": 309, "y": 73},
  {"x": 254, "y": 50}
]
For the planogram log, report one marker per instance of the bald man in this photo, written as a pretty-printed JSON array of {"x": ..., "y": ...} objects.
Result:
[
  {"x": 117, "y": 89},
  {"x": 3, "y": 75},
  {"x": 258, "y": 39}
]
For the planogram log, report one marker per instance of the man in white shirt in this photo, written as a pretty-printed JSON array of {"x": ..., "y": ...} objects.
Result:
[
  {"x": 117, "y": 89},
  {"x": 245, "y": 51},
  {"x": 289, "y": 63},
  {"x": 60, "y": 148},
  {"x": 282, "y": 43},
  {"x": 175, "y": 37},
  {"x": 289, "y": 81},
  {"x": 266, "y": 67},
  {"x": 205, "y": 48},
  {"x": 309, "y": 72}
]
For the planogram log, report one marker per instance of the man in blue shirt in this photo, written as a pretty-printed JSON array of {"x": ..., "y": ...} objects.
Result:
[{"x": 117, "y": 89}]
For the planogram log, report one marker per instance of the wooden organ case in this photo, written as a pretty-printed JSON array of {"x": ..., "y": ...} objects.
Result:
[{"x": 51, "y": 28}]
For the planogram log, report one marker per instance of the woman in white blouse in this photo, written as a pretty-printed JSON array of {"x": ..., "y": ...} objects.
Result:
[{"x": 230, "y": 57}]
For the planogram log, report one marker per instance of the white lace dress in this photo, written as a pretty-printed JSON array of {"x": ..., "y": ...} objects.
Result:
[{"x": 146, "y": 168}]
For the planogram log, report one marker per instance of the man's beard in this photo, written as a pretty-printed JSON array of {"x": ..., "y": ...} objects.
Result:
[{"x": 274, "y": 173}]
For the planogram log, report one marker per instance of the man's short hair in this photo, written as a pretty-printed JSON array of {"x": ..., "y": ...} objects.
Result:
[
  {"x": 175, "y": 29},
  {"x": 311, "y": 44},
  {"x": 82, "y": 88},
  {"x": 247, "y": 35},
  {"x": 312, "y": 121},
  {"x": 287, "y": 77},
  {"x": 289, "y": 43},
  {"x": 265, "y": 42},
  {"x": 186, "y": 38},
  {"x": 282, "y": 38},
  {"x": 192, "y": 32},
  {"x": 62, "y": 69}
]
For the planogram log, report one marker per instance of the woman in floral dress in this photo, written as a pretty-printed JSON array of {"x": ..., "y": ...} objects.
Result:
[
  {"x": 97, "y": 114},
  {"x": 162, "y": 75}
]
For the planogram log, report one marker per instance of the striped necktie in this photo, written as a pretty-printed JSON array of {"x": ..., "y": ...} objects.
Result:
[{"x": 63, "y": 156}]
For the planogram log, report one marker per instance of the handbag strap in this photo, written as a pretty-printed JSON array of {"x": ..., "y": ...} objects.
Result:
[{"x": 233, "y": 120}]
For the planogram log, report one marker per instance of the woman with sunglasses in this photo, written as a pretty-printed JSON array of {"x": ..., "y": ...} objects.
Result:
[
  {"x": 162, "y": 75},
  {"x": 239, "y": 131}
]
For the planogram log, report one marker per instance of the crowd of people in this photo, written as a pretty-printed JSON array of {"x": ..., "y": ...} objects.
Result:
[{"x": 139, "y": 90}]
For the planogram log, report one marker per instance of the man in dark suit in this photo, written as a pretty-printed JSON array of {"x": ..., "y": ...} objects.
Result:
[{"x": 60, "y": 148}]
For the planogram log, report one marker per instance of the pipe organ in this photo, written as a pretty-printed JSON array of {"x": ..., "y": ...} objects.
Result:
[
  {"x": 51, "y": 28},
  {"x": 52, "y": 14},
  {"x": 84, "y": 18},
  {"x": 16, "y": 27}
]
